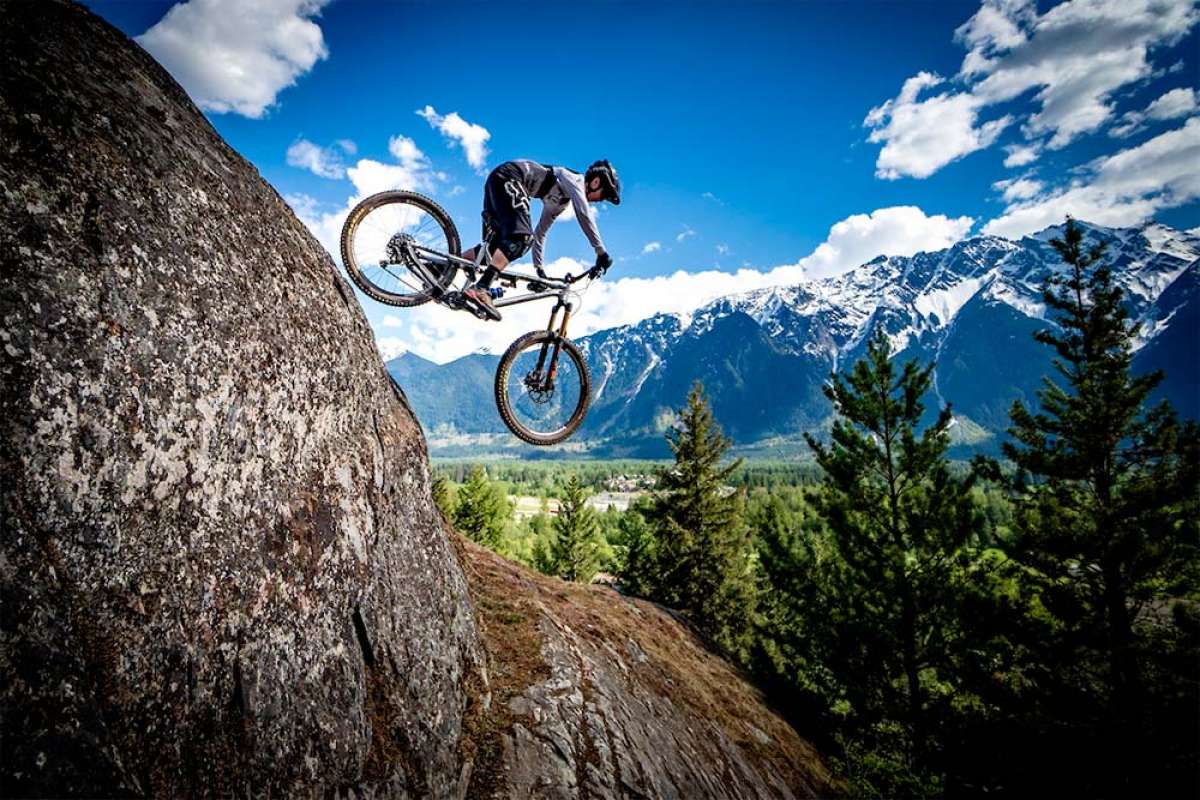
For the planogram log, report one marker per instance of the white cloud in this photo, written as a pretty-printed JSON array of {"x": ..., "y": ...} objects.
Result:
[
  {"x": 304, "y": 205},
  {"x": 723, "y": 249},
  {"x": 348, "y": 146},
  {"x": 390, "y": 347},
  {"x": 405, "y": 151},
  {"x": 1018, "y": 188},
  {"x": 995, "y": 28},
  {"x": 471, "y": 137},
  {"x": 922, "y": 136},
  {"x": 685, "y": 233},
  {"x": 1074, "y": 59},
  {"x": 441, "y": 335},
  {"x": 323, "y": 161},
  {"x": 1078, "y": 54},
  {"x": 651, "y": 247},
  {"x": 1130, "y": 123},
  {"x": 713, "y": 197},
  {"x": 1172, "y": 105},
  {"x": 234, "y": 56},
  {"x": 1120, "y": 190},
  {"x": 1021, "y": 154},
  {"x": 894, "y": 231}
]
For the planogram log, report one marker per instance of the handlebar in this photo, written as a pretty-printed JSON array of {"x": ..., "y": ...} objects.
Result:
[{"x": 569, "y": 279}]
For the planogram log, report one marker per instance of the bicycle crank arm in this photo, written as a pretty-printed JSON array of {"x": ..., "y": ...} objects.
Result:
[{"x": 460, "y": 302}]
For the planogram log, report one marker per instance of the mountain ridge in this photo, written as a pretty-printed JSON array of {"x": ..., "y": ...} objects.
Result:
[{"x": 925, "y": 303}]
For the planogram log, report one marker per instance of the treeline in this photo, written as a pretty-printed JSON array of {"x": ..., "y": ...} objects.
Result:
[
  {"x": 548, "y": 478},
  {"x": 544, "y": 478},
  {"x": 1030, "y": 628}
]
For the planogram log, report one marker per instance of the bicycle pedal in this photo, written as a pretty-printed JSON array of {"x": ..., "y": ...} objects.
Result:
[
  {"x": 464, "y": 303},
  {"x": 487, "y": 313}
]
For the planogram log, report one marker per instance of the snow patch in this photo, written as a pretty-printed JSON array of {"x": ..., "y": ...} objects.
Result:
[
  {"x": 1183, "y": 245},
  {"x": 1008, "y": 294},
  {"x": 637, "y": 386},
  {"x": 945, "y": 303}
]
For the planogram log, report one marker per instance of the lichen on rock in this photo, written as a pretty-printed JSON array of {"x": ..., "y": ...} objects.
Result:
[{"x": 220, "y": 567}]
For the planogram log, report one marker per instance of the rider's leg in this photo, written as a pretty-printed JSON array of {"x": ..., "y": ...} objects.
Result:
[
  {"x": 499, "y": 262},
  {"x": 508, "y": 230}
]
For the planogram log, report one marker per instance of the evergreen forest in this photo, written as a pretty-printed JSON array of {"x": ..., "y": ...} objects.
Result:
[{"x": 1021, "y": 626}]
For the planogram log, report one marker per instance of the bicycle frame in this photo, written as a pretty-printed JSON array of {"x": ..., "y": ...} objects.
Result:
[
  {"x": 553, "y": 288},
  {"x": 535, "y": 381},
  {"x": 548, "y": 287}
]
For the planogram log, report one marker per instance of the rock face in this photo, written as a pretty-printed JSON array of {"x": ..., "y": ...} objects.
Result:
[
  {"x": 220, "y": 567},
  {"x": 598, "y": 695}
]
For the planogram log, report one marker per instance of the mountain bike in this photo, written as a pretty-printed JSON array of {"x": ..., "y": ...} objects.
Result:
[{"x": 401, "y": 248}]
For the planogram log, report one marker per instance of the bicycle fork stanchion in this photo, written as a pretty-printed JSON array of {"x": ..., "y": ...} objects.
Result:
[{"x": 562, "y": 335}]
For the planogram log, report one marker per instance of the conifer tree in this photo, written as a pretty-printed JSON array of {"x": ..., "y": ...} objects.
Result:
[
  {"x": 481, "y": 511},
  {"x": 1105, "y": 501},
  {"x": 792, "y": 636},
  {"x": 637, "y": 564},
  {"x": 899, "y": 520},
  {"x": 542, "y": 528},
  {"x": 441, "y": 495},
  {"x": 702, "y": 547},
  {"x": 575, "y": 550}
]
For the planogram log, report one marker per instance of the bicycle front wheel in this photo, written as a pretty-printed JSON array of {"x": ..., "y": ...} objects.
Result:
[
  {"x": 372, "y": 246},
  {"x": 543, "y": 388}
]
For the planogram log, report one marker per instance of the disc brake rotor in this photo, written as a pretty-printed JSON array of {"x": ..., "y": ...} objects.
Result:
[{"x": 539, "y": 390}]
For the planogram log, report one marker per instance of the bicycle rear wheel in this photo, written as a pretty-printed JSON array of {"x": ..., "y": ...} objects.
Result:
[
  {"x": 372, "y": 237},
  {"x": 543, "y": 388}
]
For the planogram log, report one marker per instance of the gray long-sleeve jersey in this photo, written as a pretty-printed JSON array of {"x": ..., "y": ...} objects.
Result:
[{"x": 568, "y": 189}]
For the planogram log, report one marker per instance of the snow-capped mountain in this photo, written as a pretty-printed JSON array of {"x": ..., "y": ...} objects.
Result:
[{"x": 763, "y": 355}]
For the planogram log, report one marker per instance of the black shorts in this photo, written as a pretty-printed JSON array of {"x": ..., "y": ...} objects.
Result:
[{"x": 507, "y": 223}]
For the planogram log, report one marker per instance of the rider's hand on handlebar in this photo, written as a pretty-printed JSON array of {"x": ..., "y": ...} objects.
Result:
[{"x": 603, "y": 262}]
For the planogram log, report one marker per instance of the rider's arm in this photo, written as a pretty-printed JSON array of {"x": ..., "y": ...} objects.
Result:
[
  {"x": 572, "y": 184},
  {"x": 549, "y": 214}
]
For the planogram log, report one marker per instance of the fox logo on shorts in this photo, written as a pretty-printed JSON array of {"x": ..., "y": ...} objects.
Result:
[{"x": 520, "y": 197}]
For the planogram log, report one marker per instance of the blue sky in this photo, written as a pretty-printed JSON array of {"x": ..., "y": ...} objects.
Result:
[{"x": 759, "y": 143}]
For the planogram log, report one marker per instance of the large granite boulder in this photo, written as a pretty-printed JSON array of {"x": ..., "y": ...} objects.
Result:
[{"x": 220, "y": 568}]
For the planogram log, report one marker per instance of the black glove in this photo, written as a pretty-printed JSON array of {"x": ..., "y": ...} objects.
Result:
[{"x": 603, "y": 262}]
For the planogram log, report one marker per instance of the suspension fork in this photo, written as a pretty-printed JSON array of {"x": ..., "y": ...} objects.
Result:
[{"x": 556, "y": 342}]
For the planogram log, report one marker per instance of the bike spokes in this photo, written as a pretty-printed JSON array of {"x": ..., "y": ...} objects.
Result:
[
  {"x": 543, "y": 388},
  {"x": 378, "y": 241}
]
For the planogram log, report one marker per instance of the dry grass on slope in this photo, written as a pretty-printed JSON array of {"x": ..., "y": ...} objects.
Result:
[{"x": 661, "y": 662}]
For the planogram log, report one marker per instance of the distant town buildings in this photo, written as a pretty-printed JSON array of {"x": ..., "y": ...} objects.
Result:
[{"x": 630, "y": 483}]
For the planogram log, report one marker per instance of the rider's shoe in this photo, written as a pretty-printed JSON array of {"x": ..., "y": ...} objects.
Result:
[{"x": 483, "y": 298}]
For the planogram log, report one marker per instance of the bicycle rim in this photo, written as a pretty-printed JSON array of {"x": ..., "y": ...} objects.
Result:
[
  {"x": 371, "y": 247},
  {"x": 538, "y": 407}
]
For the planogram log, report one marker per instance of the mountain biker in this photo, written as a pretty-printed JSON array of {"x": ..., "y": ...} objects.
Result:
[{"x": 506, "y": 213}]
